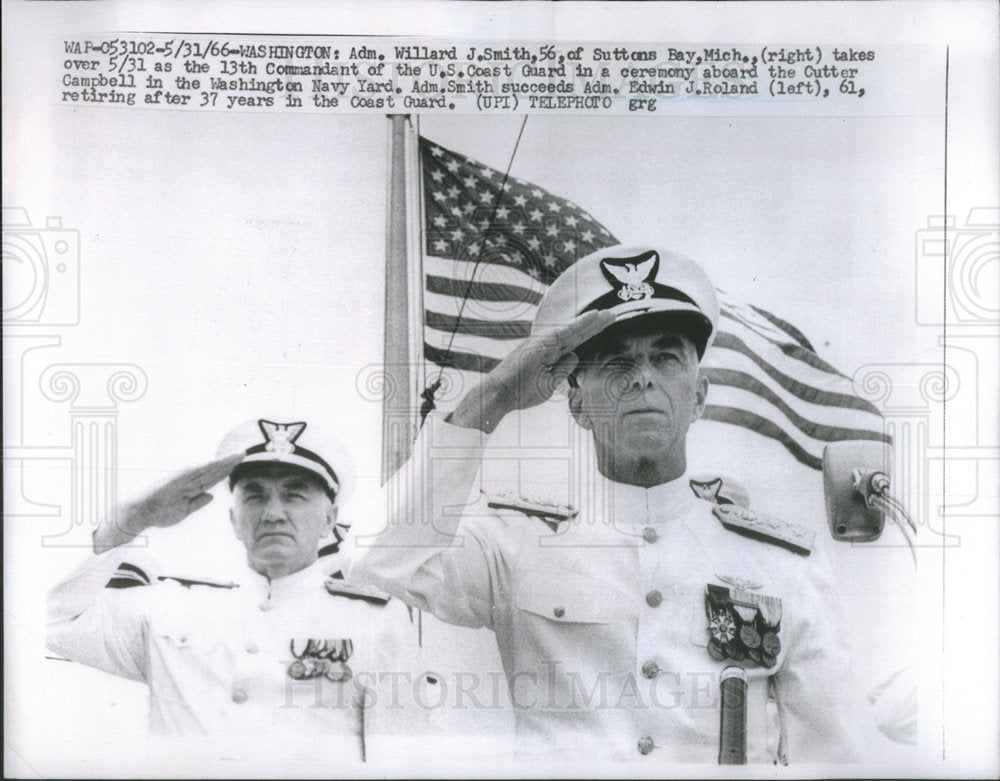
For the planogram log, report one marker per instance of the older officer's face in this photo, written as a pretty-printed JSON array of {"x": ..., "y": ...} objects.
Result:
[
  {"x": 638, "y": 391},
  {"x": 280, "y": 514}
]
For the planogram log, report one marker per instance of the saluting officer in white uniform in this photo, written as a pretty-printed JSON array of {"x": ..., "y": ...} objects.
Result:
[
  {"x": 615, "y": 616},
  {"x": 287, "y": 652}
]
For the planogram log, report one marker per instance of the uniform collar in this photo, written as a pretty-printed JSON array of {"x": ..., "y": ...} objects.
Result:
[
  {"x": 290, "y": 584},
  {"x": 657, "y": 504}
]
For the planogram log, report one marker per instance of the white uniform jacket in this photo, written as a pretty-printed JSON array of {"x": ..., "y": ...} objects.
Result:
[
  {"x": 285, "y": 657},
  {"x": 601, "y": 621}
]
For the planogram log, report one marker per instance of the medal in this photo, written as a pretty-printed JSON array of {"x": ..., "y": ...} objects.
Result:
[
  {"x": 316, "y": 658},
  {"x": 742, "y": 625},
  {"x": 749, "y": 636},
  {"x": 770, "y": 643},
  {"x": 339, "y": 672},
  {"x": 722, "y": 627},
  {"x": 715, "y": 650}
]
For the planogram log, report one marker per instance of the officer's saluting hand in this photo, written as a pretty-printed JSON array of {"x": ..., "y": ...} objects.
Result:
[
  {"x": 165, "y": 505},
  {"x": 530, "y": 374}
]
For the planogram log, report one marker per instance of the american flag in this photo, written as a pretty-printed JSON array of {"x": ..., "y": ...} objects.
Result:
[{"x": 493, "y": 243}]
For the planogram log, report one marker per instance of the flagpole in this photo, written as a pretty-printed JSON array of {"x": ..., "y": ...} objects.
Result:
[{"x": 396, "y": 358}]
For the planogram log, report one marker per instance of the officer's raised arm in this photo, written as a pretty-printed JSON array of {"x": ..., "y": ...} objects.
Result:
[
  {"x": 165, "y": 505},
  {"x": 415, "y": 548},
  {"x": 107, "y": 634},
  {"x": 425, "y": 555}
]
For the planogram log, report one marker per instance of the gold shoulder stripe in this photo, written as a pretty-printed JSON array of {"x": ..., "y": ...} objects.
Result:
[
  {"x": 188, "y": 582},
  {"x": 508, "y": 500},
  {"x": 340, "y": 588},
  {"x": 762, "y": 527}
]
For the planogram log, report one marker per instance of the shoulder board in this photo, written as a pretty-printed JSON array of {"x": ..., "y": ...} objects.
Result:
[
  {"x": 545, "y": 510},
  {"x": 128, "y": 575},
  {"x": 338, "y": 587},
  {"x": 763, "y": 527},
  {"x": 188, "y": 582}
]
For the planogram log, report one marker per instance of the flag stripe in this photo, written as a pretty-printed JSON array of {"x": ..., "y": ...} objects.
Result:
[
  {"x": 805, "y": 392},
  {"x": 459, "y": 360},
  {"x": 795, "y": 351},
  {"x": 479, "y": 310},
  {"x": 737, "y": 398},
  {"x": 821, "y": 413},
  {"x": 464, "y": 343},
  {"x": 759, "y": 349},
  {"x": 764, "y": 320},
  {"x": 481, "y": 291},
  {"x": 811, "y": 428},
  {"x": 785, "y": 326},
  {"x": 483, "y": 269},
  {"x": 491, "y": 329},
  {"x": 764, "y": 427}
]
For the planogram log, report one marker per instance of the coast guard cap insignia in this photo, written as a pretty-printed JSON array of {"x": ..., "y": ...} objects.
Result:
[
  {"x": 631, "y": 276},
  {"x": 264, "y": 440},
  {"x": 280, "y": 437}
]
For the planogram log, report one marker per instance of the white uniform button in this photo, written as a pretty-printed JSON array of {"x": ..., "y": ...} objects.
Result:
[
  {"x": 654, "y": 598},
  {"x": 252, "y": 648},
  {"x": 649, "y": 534},
  {"x": 645, "y": 744},
  {"x": 559, "y": 612},
  {"x": 651, "y": 669},
  {"x": 266, "y": 605},
  {"x": 239, "y": 696}
]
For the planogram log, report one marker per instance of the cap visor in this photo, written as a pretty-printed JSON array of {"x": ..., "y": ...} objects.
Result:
[
  {"x": 688, "y": 319},
  {"x": 288, "y": 459}
]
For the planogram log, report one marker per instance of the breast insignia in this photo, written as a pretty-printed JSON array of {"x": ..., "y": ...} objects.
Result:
[
  {"x": 741, "y": 584},
  {"x": 720, "y": 489},
  {"x": 762, "y": 527},
  {"x": 549, "y": 513}
]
